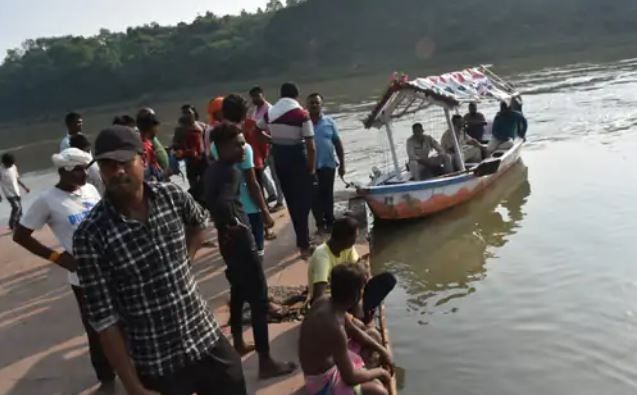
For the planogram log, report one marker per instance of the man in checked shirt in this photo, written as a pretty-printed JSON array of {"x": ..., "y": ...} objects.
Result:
[{"x": 134, "y": 252}]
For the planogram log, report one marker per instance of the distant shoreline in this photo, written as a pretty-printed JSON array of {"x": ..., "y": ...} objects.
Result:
[
  {"x": 37, "y": 136},
  {"x": 379, "y": 74}
]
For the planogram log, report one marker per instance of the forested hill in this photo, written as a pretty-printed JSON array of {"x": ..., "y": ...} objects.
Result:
[{"x": 303, "y": 38}]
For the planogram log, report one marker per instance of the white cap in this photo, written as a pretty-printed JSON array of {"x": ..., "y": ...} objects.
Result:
[{"x": 70, "y": 158}]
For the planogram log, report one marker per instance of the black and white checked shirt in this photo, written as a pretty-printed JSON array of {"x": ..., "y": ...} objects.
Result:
[{"x": 139, "y": 274}]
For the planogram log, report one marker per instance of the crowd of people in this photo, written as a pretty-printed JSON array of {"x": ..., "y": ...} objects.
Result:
[
  {"x": 129, "y": 237},
  {"x": 429, "y": 158}
]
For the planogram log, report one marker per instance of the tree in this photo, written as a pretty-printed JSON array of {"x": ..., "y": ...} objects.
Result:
[
  {"x": 273, "y": 6},
  {"x": 55, "y": 73}
]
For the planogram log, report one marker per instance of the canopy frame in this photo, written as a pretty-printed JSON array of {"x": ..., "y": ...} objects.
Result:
[{"x": 448, "y": 91}]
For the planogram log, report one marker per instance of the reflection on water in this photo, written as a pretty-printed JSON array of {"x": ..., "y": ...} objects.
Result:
[{"x": 439, "y": 259}]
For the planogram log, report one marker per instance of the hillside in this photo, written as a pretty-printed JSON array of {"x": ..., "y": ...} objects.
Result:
[{"x": 345, "y": 36}]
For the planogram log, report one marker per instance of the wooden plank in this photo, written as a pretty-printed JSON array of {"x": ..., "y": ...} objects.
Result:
[{"x": 384, "y": 333}]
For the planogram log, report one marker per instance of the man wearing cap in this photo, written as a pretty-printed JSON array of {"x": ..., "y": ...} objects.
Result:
[
  {"x": 63, "y": 207},
  {"x": 134, "y": 254}
]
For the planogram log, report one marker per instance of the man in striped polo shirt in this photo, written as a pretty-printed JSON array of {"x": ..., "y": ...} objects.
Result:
[{"x": 292, "y": 137}]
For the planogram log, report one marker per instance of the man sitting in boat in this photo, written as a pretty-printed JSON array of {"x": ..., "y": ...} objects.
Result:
[
  {"x": 328, "y": 363},
  {"x": 507, "y": 126},
  {"x": 471, "y": 148},
  {"x": 475, "y": 122},
  {"x": 422, "y": 164}
]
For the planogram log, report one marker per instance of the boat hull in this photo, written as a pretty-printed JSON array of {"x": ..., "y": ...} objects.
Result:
[{"x": 419, "y": 199}]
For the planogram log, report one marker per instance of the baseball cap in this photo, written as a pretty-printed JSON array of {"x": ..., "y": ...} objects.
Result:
[{"x": 119, "y": 143}]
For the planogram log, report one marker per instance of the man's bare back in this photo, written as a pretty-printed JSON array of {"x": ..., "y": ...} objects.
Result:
[
  {"x": 321, "y": 327},
  {"x": 323, "y": 346}
]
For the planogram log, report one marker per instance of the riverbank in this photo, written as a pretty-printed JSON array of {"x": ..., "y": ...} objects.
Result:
[{"x": 44, "y": 349}]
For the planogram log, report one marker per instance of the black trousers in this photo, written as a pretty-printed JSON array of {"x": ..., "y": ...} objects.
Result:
[
  {"x": 323, "y": 207},
  {"x": 219, "y": 373},
  {"x": 99, "y": 361},
  {"x": 247, "y": 285},
  {"x": 297, "y": 187},
  {"x": 195, "y": 169}
]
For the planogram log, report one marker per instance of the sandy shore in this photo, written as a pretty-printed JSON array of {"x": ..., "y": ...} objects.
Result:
[{"x": 44, "y": 349}]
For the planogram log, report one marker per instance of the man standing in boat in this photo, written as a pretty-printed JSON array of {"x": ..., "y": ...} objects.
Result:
[
  {"x": 422, "y": 164},
  {"x": 327, "y": 143},
  {"x": 507, "y": 126}
]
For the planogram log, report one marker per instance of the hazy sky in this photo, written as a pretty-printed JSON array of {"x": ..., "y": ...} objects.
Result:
[{"x": 23, "y": 19}]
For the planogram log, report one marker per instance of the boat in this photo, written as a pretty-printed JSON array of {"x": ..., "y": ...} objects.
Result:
[{"x": 392, "y": 195}]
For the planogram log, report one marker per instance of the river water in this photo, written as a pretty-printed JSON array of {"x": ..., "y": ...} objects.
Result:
[{"x": 531, "y": 288}]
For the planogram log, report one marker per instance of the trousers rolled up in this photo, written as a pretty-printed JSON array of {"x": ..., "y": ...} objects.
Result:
[{"x": 297, "y": 186}]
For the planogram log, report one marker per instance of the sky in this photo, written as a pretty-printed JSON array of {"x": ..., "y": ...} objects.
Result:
[{"x": 25, "y": 19}]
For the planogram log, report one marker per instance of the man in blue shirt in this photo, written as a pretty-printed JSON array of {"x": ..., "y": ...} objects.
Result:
[
  {"x": 507, "y": 126},
  {"x": 328, "y": 143}
]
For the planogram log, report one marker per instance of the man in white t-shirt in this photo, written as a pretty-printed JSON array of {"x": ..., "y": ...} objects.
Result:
[
  {"x": 10, "y": 184},
  {"x": 63, "y": 207}
]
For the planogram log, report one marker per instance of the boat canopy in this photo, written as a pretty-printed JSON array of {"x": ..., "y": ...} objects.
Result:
[{"x": 449, "y": 90}]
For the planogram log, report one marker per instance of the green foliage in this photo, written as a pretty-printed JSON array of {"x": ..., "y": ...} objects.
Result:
[
  {"x": 273, "y": 6},
  {"x": 62, "y": 73}
]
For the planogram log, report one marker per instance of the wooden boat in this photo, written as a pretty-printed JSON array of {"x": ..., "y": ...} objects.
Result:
[{"x": 393, "y": 196}]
